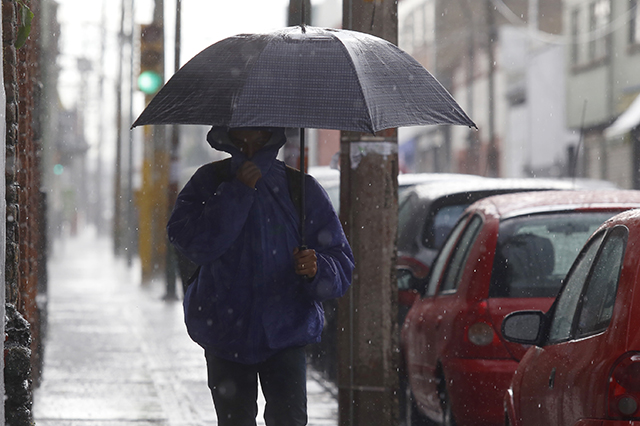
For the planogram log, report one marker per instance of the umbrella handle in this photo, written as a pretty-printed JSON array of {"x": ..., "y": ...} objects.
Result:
[{"x": 303, "y": 215}]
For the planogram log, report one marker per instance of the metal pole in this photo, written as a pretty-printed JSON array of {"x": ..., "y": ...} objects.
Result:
[
  {"x": 492, "y": 160},
  {"x": 98, "y": 206},
  {"x": 117, "y": 192},
  {"x": 131, "y": 228},
  {"x": 174, "y": 161},
  {"x": 303, "y": 215}
]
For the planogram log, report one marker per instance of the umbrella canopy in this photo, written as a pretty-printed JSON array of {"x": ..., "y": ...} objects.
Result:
[{"x": 304, "y": 77}]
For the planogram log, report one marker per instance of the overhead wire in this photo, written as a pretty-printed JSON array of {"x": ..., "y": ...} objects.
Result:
[{"x": 550, "y": 38}]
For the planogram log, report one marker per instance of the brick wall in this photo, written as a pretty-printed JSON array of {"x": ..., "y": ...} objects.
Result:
[{"x": 24, "y": 214}]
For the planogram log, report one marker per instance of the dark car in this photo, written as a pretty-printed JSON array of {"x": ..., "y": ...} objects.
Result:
[
  {"x": 506, "y": 253},
  {"x": 583, "y": 366}
]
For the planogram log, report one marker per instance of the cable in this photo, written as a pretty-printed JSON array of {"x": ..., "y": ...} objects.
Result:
[{"x": 550, "y": 38}]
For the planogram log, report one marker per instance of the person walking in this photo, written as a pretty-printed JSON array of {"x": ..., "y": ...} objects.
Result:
[{"x": 257, "y": 298}]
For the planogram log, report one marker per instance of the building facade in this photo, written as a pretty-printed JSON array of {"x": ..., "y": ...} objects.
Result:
[
  {"x": 603, "y": 80},
  {"x": 506, "y": 71}
]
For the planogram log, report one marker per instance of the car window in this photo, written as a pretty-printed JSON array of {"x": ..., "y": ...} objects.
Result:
[
  {"x": 443, "y": 222},
  {"x": 602, "y": 285},
  {"x": 443, "y": 256},
  {"x": 456, "y": 266},
  {"x": 567, "y": 302},
  {"x": 411, "y": 215},
  {"x": 534, "y": 252}
]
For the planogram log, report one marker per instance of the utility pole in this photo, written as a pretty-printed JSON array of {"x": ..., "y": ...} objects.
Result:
[
  {"x": 98, "y": 179},
  {"x": 367, "y": 314},
  {"x": 130, "y": 228},
  {"x": 152, "y": 197},
  {"x": 296, "y": 10},
  {"x": 473, "y": 151},
  {"x": 174, "y": 175},
  {"x": 492, "y": 154},
  {"x": 118, "y": 227}
]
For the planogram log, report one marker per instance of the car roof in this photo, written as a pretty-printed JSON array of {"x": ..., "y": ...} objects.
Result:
[
  {"x": 630, "y": 218},
  {"x": 331, "y": 177},
  {"x": 405, "y": 179},
  {"x": 518, "y": 204},
  {"x": 462, "y": 186}
]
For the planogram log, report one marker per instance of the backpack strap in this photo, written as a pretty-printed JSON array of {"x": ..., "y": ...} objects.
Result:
[{"x": 221, "y": 170}]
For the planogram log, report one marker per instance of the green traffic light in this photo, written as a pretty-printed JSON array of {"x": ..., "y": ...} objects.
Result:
[
  {"x": 58, "y": 169},
  {"x": 149, "y": 82}
]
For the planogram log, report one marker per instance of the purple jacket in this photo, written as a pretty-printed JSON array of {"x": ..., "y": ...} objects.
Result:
[{"x": 247, "y": 302}]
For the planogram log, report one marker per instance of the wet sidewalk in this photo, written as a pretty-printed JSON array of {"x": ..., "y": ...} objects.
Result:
[{"x": 117, "y": 353}]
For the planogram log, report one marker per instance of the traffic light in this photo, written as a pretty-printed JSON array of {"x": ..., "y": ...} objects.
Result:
[{"x": 151, "y": 59}]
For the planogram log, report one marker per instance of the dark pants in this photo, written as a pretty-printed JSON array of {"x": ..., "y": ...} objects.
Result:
[{"x": 283, "y": 379}]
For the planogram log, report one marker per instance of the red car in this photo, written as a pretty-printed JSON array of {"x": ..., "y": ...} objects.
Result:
[
  {"x": 507, "y": 253},
  {"x": 584, "y": 365}
]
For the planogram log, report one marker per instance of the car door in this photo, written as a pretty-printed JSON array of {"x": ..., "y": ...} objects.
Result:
[
  {"x": 539, "y": 395},
  {"x": 437, "y": 314},
  {"x": 418, "y": 330},
  {"x": 583, "y": 365}
]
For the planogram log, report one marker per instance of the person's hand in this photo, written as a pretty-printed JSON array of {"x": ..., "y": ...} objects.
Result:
[
  {"x": 306, "y": 262},
  {"x": 249, "y": 173}
]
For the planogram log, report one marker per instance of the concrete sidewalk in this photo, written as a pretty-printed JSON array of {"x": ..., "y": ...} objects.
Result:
[{"x": 117, "y": 353}]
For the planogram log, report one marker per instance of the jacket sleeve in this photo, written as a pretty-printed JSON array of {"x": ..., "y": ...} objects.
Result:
[
  {"x": 209, "y": 215},
  {"x": 326, "y": 236}
]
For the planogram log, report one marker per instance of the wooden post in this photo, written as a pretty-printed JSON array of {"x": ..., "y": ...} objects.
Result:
[{"x": 367, "y": 315}]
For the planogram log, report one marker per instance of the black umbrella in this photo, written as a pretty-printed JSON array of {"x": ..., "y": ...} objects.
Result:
[{"x": 301, "y": 77}]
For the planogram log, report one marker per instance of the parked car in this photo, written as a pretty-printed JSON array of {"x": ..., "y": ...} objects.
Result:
[
  {"x": 323, "y": 355},
  {"x": 330, "y": 181},
  {"x": 506, "y": 253},
  {"x": 584, "y": 363},
  {"x": 428, "y": 212}
]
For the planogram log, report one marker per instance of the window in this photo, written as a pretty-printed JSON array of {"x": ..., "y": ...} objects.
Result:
[
  {"x": 443, "y": 221},
  {"x": 411, "y": 216},
  {"x": 567, "y": 302},
  {"x": 600, "y": 294},
  {"x": 534, "y": 252},
  {"x": 443, "y": 256},
  {"x": 634, "y": 22},
  {"x": 456, "y": 266},
  {"x": 599, "y": 15},
  {"x": 575, "y": 31}
]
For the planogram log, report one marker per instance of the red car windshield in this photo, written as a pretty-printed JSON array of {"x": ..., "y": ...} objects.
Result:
[{"x": 534, "y": 253}]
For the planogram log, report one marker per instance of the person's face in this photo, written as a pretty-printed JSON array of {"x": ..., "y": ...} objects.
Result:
[{"x": 249, "y": 141}]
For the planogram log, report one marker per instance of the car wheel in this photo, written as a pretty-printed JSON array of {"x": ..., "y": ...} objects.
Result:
[
  {"x": 447, "y": 414},
  {"x": 417, "y": 418}
]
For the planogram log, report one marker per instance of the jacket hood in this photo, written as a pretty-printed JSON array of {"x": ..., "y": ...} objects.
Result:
[{"x": 219, "y": 139}]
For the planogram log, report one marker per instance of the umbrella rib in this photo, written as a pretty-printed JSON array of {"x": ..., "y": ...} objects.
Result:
[{"x": 357, "y": 76}]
